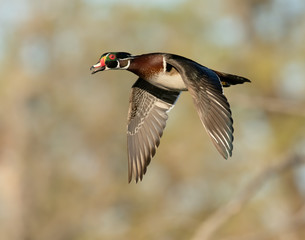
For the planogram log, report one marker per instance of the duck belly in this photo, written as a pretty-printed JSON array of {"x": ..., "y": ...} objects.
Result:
[{"x": 168, "y": 82}]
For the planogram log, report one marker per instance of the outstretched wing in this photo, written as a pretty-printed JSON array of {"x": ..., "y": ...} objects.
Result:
[
  {"x": 212, "y": 106},
  {"x": 147, "y": 115}
]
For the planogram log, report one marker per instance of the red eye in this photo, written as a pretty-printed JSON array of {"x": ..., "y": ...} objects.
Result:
[{"x": 112, "y": 56}]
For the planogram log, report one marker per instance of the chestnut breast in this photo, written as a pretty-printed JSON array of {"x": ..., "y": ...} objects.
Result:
[
  {"x": 146, "y": 65},
  {"x": 154, "y": 69}
]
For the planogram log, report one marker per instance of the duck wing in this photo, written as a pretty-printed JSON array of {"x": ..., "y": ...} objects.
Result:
[
  {"x": 212, "y": 106},
  {"x": 147, "y": 115}
]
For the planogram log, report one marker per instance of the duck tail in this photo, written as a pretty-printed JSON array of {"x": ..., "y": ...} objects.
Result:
[{"x": 229, "y": 79}]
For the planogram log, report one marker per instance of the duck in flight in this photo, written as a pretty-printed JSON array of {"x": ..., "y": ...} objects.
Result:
[{"x": 161, "y": 78}]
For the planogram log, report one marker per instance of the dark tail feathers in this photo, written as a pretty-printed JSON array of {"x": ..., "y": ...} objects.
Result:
[{"x": 229, "y": 79}]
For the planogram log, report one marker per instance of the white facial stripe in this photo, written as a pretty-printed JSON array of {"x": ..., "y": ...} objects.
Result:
[{"x": 127, "y": 58}]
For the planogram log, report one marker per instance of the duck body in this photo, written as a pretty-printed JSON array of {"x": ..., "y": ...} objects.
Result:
[
  {"x": 154, "y": 69},
  {"x": 162, "y": 77}
]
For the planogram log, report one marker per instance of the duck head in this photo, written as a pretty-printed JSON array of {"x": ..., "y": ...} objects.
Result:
[{"x": 112, "y": 60}]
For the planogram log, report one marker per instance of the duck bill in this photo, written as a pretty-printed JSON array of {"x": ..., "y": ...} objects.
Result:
[
  {"x": 100, "y": 66},
  {"x": 95, "y": 69}
]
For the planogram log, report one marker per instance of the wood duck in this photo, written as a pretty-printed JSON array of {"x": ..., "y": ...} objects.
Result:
[{"x": 162, "y": 77}]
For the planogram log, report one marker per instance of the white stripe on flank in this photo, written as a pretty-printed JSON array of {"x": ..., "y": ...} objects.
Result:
[{"x": 164, "y": 64}]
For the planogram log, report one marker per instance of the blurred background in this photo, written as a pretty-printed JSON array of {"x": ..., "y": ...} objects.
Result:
[{"x": 63, "y": 154}]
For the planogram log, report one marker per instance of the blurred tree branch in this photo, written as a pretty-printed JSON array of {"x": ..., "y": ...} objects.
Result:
[
  {"x": 295, "y": 222},
  {"x": 208, "y": 228},
  {"x": 278, "y": 105}
]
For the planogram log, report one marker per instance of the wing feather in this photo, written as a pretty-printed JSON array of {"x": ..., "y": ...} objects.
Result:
[
  {"x": 148, "y": 107},
  {"x": 212, "y": 106}
]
